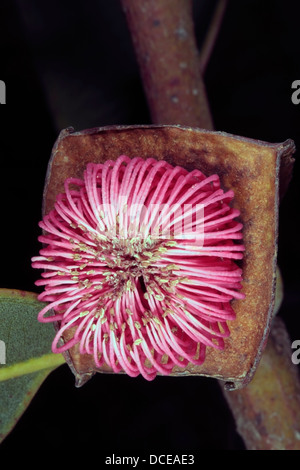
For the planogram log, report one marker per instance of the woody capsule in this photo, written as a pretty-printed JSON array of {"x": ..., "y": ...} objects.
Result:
[{"x": 127, "y": 296}]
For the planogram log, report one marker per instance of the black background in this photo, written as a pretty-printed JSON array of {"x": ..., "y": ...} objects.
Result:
[{"x": 68, "y": 63}]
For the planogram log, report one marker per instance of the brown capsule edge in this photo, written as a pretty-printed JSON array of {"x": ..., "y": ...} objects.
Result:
[{"x": 251, "y": 168}]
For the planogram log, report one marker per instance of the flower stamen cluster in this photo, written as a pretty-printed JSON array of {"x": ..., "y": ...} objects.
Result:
[{"x": 139, "y": 262}]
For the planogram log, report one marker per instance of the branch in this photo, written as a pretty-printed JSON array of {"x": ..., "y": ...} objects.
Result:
[
  {"x": 162, "y": 32},
  {"x": 267, "y": 411},
  {"x": 212, "y": 34}
]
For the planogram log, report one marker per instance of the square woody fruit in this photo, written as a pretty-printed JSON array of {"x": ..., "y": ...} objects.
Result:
[{"x": 250, "y": 168}]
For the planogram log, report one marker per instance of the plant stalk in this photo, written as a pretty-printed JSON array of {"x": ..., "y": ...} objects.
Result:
[{"x": 163, "y": 37}]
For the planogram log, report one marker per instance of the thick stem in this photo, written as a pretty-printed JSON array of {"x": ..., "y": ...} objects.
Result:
[
  {"x": 267, "y": 411},
  {"x": 162, "y": 32}
]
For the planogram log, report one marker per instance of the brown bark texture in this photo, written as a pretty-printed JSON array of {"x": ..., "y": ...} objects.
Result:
[
  {"x": 162, "y": 32},
  {"x": 267, "y": 411}
]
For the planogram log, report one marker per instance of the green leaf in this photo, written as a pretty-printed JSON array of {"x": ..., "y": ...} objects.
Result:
[{"x": 25, "y": 354}]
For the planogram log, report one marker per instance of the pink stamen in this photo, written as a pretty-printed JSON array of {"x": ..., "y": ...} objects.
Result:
[{"x": 139, "y": 302}]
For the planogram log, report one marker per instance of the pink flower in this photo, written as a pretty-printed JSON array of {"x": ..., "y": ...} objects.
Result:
[{"x": 139, "y": 260}]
